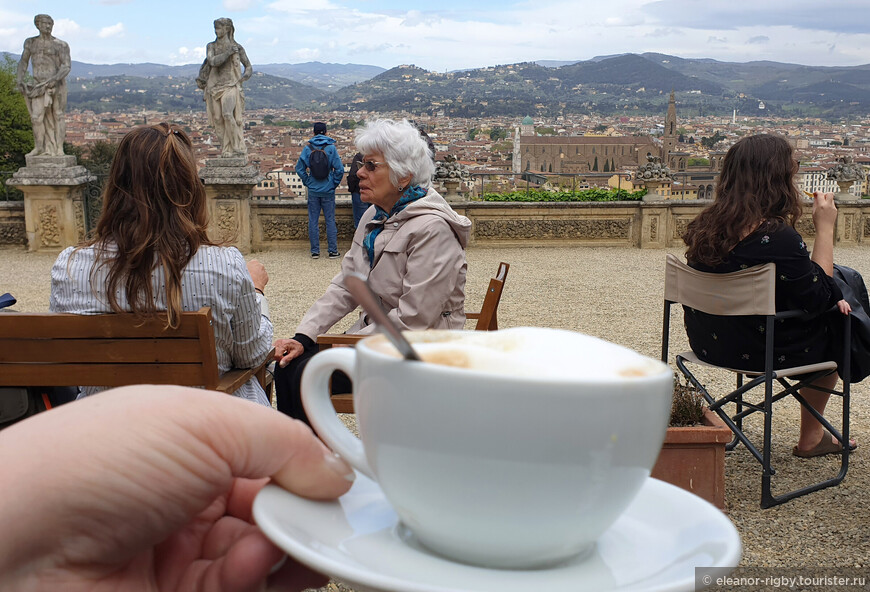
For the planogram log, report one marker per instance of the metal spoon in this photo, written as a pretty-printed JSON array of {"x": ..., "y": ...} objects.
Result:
[{"x": 359, "y": 288}]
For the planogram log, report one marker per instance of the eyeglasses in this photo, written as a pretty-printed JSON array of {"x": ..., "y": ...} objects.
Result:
[{"x": 371, "y": 165}]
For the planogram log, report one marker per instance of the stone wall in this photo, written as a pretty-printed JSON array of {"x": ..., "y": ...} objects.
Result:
[
  {"x": 12, "y": 227},
  {"x": 638, "y": 224},
  {"x": 647, "y": 225}
]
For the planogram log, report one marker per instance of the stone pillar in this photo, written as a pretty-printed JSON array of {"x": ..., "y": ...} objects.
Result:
[
  {"x": 452, "y": 193},
  {"x": 229, "y": 183},
  {"x": 844, "y": 194},
  {"x": 53, "y": 188},
  {"x": 656, "y": 190}
]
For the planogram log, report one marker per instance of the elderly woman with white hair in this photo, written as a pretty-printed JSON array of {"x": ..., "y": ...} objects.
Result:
[{"x": 410, "y": 246}]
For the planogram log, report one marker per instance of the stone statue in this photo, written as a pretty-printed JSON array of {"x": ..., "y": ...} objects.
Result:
[
  {"x": 46, "y": 93},
  {"x": 654, "y": 170},
  {"x": 845, "y": 170},
  {"x": 221, "y": 79}
]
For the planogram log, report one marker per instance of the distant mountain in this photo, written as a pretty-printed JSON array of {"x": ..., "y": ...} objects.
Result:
[
  {"x": 624, "y": 83},
  {"x": 325, "y": 76},
  {"x": 120, "y": 93},
  {"x": 328, "y": 77},
  {"x": 772, "y": 81},
  {"x": 555, "y": 63},
  {"x": 634, "y": 71}
]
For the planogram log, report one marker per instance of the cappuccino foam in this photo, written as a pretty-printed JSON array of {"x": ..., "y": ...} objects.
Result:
[{"x": 528, "y": 351}]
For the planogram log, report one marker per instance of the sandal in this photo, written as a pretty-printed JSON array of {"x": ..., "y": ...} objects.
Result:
[{"x": 827, "y": 445}]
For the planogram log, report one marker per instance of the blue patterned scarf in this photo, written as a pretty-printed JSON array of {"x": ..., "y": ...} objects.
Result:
[{"x": 411, "y": 194}]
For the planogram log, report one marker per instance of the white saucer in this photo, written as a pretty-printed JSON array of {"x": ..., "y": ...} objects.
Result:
[{"x": 654, "y": 546}]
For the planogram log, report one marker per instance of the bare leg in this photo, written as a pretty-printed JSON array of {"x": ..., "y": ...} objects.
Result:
[
  {"x": 228, "y": 105},
  {"x": 811, "y": 430},
  {"x": 37, "y": 118}
]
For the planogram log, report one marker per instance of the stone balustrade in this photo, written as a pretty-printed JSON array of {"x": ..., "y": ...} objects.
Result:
[{"x": 284, "y": 223}]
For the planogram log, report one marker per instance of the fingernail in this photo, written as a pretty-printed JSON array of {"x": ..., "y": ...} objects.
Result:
[
  {"x": 278, "y": 565},
  {"x": 282, "y": 363},
  {"x": 339, "y": 466}
]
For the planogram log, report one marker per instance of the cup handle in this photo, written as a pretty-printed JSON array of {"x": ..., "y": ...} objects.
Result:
[{"x": 321, "y": 413}]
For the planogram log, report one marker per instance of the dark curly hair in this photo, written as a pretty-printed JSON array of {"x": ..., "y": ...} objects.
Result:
[{"x": 756, "y": 185}]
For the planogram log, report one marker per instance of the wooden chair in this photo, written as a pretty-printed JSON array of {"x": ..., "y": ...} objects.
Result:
[
  {"x": 487, "y": 320},
  {"x": 57, "y": 349}
]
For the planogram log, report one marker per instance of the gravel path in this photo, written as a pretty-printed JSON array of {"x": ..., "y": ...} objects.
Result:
[{"x": 616, "y": 294}]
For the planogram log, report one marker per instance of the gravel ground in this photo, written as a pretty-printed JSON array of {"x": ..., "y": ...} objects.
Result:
[{"x": 616, "y": 294}]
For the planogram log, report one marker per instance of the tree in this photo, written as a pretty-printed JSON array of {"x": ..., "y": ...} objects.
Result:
[
  {"x": 606, "y": 166},
  {"x": 712, "y": 141},
  {"x": 98, "y": 156},
  {"x": 472, "y": 133},
  {"x": 497, "y": 133},
  {"x": 595, "y": 164},
  {"x": 600, "y": 128},
  {"x": 16, "y": 133}
]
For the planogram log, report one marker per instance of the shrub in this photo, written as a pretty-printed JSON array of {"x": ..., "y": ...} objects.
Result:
[
  {"x": 688, "y": 405},
  {"x": 536, "y": 195}
]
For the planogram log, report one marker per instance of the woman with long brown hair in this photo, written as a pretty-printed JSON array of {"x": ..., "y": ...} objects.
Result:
[
  {"x": 151, "y": 254},
  {"x": 752, "y": 222}
]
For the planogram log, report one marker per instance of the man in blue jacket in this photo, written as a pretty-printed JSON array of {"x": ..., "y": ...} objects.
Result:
[{"x": 321, "y": 170}]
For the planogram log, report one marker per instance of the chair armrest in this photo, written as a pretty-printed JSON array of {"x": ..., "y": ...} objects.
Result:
[
  {"x": 236, "y": 377},
  {"x": 328, "y": 340},
  {"x": 472, "y": 315}
]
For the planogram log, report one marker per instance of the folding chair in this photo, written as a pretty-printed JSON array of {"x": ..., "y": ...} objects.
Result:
[{"x": 751, "y": 292}]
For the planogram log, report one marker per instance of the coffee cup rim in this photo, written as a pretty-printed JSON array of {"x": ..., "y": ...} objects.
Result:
[{"x": 666, "y": 370}]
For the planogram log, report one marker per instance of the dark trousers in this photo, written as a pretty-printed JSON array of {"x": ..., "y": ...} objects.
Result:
[{"x": 288, "y": 382}]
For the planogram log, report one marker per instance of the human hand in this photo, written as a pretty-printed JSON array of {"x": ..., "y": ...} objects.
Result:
[
  {"x": 258, "y": 274},
  {"x": 150, "y": 488},
  {"x": 844, "y": 307},
  {"x": 286, "y": 350},
  {"x": 824, "y": 211}
]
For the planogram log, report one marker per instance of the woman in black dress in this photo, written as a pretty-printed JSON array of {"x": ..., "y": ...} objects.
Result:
[{"x": 751, "y": 223}]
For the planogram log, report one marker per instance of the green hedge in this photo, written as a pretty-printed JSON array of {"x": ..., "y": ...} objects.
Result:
[{"x": 582, "y": 195}]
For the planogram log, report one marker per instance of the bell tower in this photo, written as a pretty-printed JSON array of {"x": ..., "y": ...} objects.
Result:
[{"x": 669, "y": 139}]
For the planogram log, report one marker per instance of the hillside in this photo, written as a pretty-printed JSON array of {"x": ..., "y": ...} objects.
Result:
[
  {"x": 117, "y": 93},
  {"x": 625, "y": 83},
  {"x": 324, "y": 76}
]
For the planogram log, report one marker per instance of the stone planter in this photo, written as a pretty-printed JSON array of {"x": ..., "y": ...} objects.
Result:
[{"x": 694, "y": 458}]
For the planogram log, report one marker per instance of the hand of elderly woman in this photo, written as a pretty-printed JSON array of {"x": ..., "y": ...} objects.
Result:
[
  {"x": 286, "y": 350},
  {"x": 133, "y": 491}
]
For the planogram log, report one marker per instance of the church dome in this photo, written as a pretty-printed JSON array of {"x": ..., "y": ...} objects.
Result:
[{"x": 528, "y": 120}]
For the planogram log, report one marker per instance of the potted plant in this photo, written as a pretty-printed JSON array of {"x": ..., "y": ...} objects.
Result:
[{"x": 693, "y": 455}]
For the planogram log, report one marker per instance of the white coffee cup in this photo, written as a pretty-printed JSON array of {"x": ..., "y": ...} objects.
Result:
[{"x": 522, "y": 461}]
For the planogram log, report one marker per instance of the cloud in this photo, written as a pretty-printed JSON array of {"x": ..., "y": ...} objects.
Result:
[
  {"x": 306, "y": 54},
  {"x": 237, "y": 5},
  {"x": 759, "y": 39},
  {"x": 297, "y": 7},
  {"x": 713, "y": 39},
  {"x": 116, "y": 30},
  {"x": 623, "y": 21},
  {"x": 840, "y": 16},
  {"x": 65, "y": 28},
  {"x": 185, "y": 55}
]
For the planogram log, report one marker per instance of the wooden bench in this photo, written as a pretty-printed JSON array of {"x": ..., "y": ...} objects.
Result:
[
  {"x": 487, "y": 320},
  {"x": 58, "y": 349}
]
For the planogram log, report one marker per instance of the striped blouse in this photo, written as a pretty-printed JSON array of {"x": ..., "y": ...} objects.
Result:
[{"x": 215, "y": 276}]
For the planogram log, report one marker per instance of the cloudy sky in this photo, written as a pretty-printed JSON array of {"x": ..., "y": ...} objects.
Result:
[{"x": 451, "y": 34}]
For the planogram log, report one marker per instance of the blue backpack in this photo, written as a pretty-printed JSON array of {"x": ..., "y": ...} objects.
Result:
[{"x": 318, "y": 163}]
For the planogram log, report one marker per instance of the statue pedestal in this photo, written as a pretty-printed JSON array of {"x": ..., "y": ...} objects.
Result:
[
  {"x": 229, "y": 183},
  {"x": 451, "y": 191},
  {"x": 53, "y": 188},
  {"x": 844, "y": 194},
  {"x": 657, "y": 190}
]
